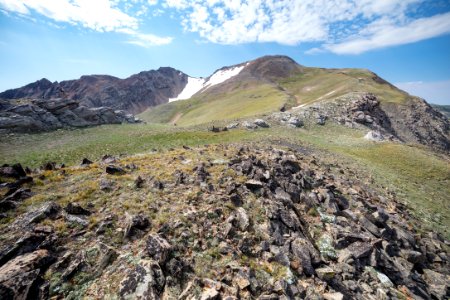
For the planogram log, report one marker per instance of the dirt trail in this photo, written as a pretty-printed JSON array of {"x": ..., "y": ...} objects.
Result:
[{"x": 176, "y": 118}]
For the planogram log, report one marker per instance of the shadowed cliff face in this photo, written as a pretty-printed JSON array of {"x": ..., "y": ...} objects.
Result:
[{"x": 133, "y": 94}]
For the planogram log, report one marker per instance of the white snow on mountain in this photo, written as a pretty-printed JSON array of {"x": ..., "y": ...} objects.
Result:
[
  {"x": 222, "y": 75},
  {"x": 195, "y": 85}
]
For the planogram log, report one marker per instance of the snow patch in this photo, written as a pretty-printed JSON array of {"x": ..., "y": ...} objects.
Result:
[
  {"x": 194, "y": 85},
  {"x": 223, "y": 75}
]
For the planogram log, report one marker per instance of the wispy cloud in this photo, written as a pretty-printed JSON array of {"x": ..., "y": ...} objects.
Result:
[
  {"x": 392, "y": 34},
  {"x": 341, "y": 26},
  {"x": 147, "y": 40},
  {"x": 98, "y": 15}
]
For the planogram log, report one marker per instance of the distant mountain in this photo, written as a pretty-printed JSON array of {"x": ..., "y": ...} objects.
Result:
[
  {"x": 444, "y": 109},
  {"x": 273, "y": 83},
  {"x": 261, "y": 86},
  {"x": 133, "y": 94}
]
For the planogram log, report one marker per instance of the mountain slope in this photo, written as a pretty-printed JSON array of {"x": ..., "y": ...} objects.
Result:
[
  {"x": 274, "y": 83},
  {"x": 133, "y": 94}
]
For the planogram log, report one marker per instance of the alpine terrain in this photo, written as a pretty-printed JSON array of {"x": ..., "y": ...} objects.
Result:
[{"x": 266, "y": 180}]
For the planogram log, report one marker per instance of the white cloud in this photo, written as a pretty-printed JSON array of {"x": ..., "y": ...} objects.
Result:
[
  {"x": 147, "y": 40},
  {"x": 384, "y": 35},
  {"x": 435, "y": 92},
  {"x": 98, "y": 15},
  {"x": 342, "y": 26}
]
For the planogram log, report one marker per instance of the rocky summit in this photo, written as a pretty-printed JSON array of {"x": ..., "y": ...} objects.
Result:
[{"x": 234, "y": 221}]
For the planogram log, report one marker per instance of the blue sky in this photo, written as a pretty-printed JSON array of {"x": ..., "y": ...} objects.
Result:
[{"x": 407, "y": 42}]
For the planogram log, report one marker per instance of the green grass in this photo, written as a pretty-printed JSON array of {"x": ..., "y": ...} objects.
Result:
[
  {"x": 240, "y": 103},
  {"x": 246, "y": 99},
  {"x": 316, "y": 84},
  {"x": 419, "y": 178},
  {"x": 70, "y": 146}
]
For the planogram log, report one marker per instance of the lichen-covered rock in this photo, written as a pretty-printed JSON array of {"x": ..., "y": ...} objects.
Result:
[
  {"x": 19, "y": 274},
  {"x": 140, "y": 282},
  {"x": 158, "y": 248}
]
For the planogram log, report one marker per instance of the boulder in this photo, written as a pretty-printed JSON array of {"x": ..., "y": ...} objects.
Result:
[
  {"x": 140, "y": 282},
  {"x": 439, "y": 283},
  {"x": 18, "y": 275},
  {"x": 158, "y": 248},
  {"x": 114, "y": 170},
  {"x": 295, "y": 122},
  {"x": 14, "y": 171},
  {"x": 374, "y": 136},
  {"x": 261, "y": 123},
  {"x": 76, "y": 209}
]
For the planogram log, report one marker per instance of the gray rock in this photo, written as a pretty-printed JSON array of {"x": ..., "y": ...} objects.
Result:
[
  {"x": 295, "y": 122},
  {"x": 19, "y": 274},
  {"x": 232, "y": 125},
  {"x": 374, "y": 136},
  {"x": 140, "y": 282},
  {"x": 261, "y": 123},
  {"x": 325, "y": 273},
  {"x": 439, "y": 283},
  {"x": 158, "y": 248}
]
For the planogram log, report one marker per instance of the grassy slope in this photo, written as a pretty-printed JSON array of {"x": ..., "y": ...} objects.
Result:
[
  {"x": 70, "y": 146},
  {"x": 209, "y": 107},
  {"x": 419, "y": 178},
  {"x": 310, "y": 86},
  {"x": 321, "y": 84}
]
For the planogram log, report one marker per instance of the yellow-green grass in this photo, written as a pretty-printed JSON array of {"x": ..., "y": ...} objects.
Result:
[
  {"x": 420, "y": 178},
  {"x": 254, "y": 98},
  {"x": 70, "y": 146},
  {"x": 314, "y": 84},
  {"x": 240, "y": 103}
]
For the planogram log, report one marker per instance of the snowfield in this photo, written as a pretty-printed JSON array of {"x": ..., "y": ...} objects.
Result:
[{"x": 195, "y": 85}]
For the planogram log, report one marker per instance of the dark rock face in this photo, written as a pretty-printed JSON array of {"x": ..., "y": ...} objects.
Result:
[
  {"x": 133, "y": 94},
  {"x": 50, "y": 114}
]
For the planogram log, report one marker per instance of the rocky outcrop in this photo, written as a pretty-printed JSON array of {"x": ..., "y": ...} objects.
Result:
[
  {"x": 413, "y": 121},
  {"x": 261, "y": 223},
  {"x": 133, "y": 94},
  {"x": 35, "y": 115}
]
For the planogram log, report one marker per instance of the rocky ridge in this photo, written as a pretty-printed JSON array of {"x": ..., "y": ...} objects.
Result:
[
  {"x": 36, "y": 115},
  {"x": 414, "y": 122},
  {"x": 133, "y": 94},
  {"x": 217, "y": 222}
]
